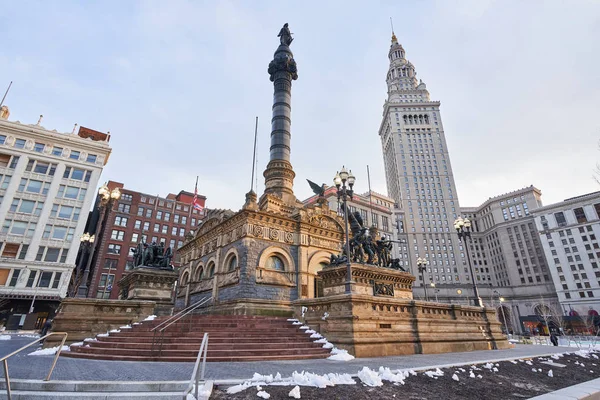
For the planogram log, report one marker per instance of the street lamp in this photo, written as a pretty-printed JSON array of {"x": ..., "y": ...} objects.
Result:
[
  {"x": 344, "y": 192},
  {"x": 422, "y": 266},
  {"x": 86, "y": 241},
  {"x": 435, "y": 291},
  {"x": 463, "y": 228},
  {"x": 107, "y": 199},
  {"x": 501, "y": 299}
]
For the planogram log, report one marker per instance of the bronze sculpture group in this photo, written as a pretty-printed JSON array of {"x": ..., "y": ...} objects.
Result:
[
  {"x": 152, "y": 255},
  {"x": 364, "y": 247}
]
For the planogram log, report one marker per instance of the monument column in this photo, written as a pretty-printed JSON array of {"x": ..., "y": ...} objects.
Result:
[{"x": 279, "y": 174}]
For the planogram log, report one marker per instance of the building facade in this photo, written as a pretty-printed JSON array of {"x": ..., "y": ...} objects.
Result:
[
  {"x": 48, "y": 181},
  {"x": 569, "y": 233},
  {"x": 418, "y": 172},
  {"x": 136, "y": 217}
]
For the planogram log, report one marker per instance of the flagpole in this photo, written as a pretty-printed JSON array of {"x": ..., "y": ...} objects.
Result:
[
  {"x": 254, "y": 154},
  {"x": 3, "y": 98}
]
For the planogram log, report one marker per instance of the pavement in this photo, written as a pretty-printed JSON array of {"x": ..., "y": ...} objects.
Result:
[{"x": 23, "y": 366}]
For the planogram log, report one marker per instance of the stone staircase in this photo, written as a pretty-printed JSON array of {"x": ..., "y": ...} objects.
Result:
[{"x": 231, "y": 338}]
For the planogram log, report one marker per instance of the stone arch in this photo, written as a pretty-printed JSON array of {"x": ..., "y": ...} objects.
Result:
[
  {"x": 288, "y": 262},
  {"x": 211, "y": 263},
  {"x": 185, "y": 277},
  {"x": 198, "y": 271},
  {"x": 231, "y": 253}
]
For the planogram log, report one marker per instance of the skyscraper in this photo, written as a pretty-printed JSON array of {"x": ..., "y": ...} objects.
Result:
[{"x": 419, "y": 175}]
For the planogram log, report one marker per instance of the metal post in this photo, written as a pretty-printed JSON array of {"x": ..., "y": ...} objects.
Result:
[
  {"x": 424, "y": 284},
  {"x": 436, "y": 296},
  {"x": 477, "y": 300},
  {"x": 7, "y": 380},
  {"x": 348, "y": 264},
  {"x": 503, "y": 317}
]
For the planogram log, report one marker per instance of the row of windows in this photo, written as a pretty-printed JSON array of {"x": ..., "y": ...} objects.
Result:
[
  {"x": 56, "y": 151},
  {"x": 35, "y": 278}
]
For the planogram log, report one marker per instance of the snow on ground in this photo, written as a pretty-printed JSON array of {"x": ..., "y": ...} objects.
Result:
[
  {"x": 29, "y": 336},
  {"x": 115, "y": 331},
  {"x": 48, "y": 352},
  {"x": 150, "y": 318},
  {"x": 263, "y": 394},
  {"x": 102, "y": 334},
  {"x": 295, "y": 392},
  {"x": 297, "y": 379},
  {"x": 340, "y": 355},
  {"x": 125, "y": 327},
  {"x": 4, "y": 337},
  {"x": 369, "y": 377}
]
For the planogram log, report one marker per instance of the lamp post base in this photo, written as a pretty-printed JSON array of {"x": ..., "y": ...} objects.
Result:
[{"x": 82, "y": 291}]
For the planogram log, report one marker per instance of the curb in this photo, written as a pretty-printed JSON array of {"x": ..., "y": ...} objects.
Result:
[{"x": 589, "y": 390}]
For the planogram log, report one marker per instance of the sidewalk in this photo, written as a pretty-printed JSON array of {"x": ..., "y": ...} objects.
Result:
[{"x": 23, "y": 366}]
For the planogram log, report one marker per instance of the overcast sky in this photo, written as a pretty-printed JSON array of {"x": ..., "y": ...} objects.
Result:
[{"x": 179, "y": 83}]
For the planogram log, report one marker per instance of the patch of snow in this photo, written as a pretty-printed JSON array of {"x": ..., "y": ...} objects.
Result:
[
  {"x": 412, "y": 372},
  {"x": 297, "y": 323},
  {"x": 462, "y": 370},
  {"x": 339, "y": 355},
  {"x": 238, "y": 388},
  {"x": 48, "y": 352},
  {"x": 471, "y": 375},
  {"x": 328, "y": 345},
  {"x": 77, "y": 344},
  {"x": 150, "y": 318},
  {"x": 455, "y": 377},
  {"x": 102, "y": 334},
  {"x": 387, "y": 375},
  {"x": 539, "y": 370},
  {"x": 310, "y": 331},
  {"x": 115, "y": 331},
  {"x": 304, "y": 327},
  {"x": 495, "y": 369},
  {"x": 434, "y": 374},
  {"x": 136, "y": 323},
  {"x": 4, "y": 337},
  {"x": 316, "y": 336},
  {"x": 488, "y": 365},
  {"x": 534, "y": 370},
  {"x": 29, "y": 336},
  {"x": 550, "y": 374},
  {"x": 292, "y": 319},
  {"x": 277, "y": 377},
  {"x": 513, "y": 361},
  {"x": 322, "y": 340},
  {"x": 479, "y": 376},
  {"x": 304, "y": 310},
  {"x": 295, "y": 392},
  {"x": 262, "y": 378},
  {"x": 528, "y": 363},
  {"x": 369, "y": 377},
  {"x": 125, "y": 327},
  {"x": 90, "y": 339},
  {"x": 263, "y": 394},
  {"x": 325, "y": 316}
]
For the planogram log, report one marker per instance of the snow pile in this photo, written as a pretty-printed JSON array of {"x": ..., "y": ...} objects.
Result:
[
  {"x": 263, "y": 394},
  {"x": 471, "y": 375},
  {"x": 316, "y": 336},
  {"x": 479, "y": 376},
  {"x": 30, "y": 336},
  {"x": 369, "y": 377},
  {"x": 102, "y": 334},
  {"x": 77, "y": 344},
  {"x": 310, "y": 331},
  {"x": 339, "y": 355},
  {"x": 455, "y": 377},
  {"x": 550, "y": 374},
  {"x": 90, "y": 340},
  {"x": 4, "y": 337},
  {"x": 534, "y": 370},
  {"x": 387, "y": 375},
  {"x": 434, "y": 374},
  {"x": 304, "y": 327},
  {"x": 115, "y": 331},
  {"x": 295, "y": 392},
  {"x": 495, "y": 369},
  {"x": 49, "y": 351},
  {"x": 528, "y": 363},
  {"x": 304, "y": 310},
  {"x": 150, "y": 318},
  {"x": 325, "y": 316},
  {"x": 488, "y": 365},
  {"x": 292, "y": 320},
  {"x": 125, "y": 327},
  {"x": 297, "y": 379},
  {"x": 297, "y": 323},
  {"x": 202, "y": 393}
]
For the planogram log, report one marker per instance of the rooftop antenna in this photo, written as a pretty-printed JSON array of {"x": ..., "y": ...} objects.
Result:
[
  {"x": 392, "y": 25},
  {"x": 2, "y": 102},
  {"x": 74, "y": 129},
  {"x": 254, "y": 154}
]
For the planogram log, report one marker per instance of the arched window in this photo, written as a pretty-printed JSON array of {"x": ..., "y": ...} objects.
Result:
[
  {"x": 211, "y": 270},
  {"x": 185, "y": 278},
  {"x": 199, "y": 273},
  {"x": 232, "y": 264},
  {"x": 276, "y": 263}
]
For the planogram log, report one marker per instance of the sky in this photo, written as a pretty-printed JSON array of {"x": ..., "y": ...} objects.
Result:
[{"x": 179, "y": 83}]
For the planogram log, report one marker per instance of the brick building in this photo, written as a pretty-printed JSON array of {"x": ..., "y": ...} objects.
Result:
[{"x": 137, "y": 216}]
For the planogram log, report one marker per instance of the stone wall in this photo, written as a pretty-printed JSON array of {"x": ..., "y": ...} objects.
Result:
[{"x": 85, "y": 318}]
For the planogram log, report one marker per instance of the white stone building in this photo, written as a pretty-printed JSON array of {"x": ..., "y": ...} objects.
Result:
[
  {"x": 570, "y": 232},
  {"x": 47, "y": 186}
]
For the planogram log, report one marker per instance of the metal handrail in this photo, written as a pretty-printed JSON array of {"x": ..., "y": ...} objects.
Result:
[
  {"x": 5, "y": 359},
  {"x": 178, "y": 317},
  {"x": 194, "y": 379},
  {"x": 179, "y": 313}
]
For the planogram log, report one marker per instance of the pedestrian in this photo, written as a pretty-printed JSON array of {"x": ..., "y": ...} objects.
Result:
[
  {"x": 554, "y": 338},
  {"x": 46, "y": 327}
]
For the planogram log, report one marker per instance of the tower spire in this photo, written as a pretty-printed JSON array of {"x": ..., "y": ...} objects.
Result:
[{"x": 394, "y": 38}]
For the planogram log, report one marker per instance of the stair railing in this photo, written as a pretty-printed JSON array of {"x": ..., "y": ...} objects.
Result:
[
  {"x": 195, "y": 376},
  {"x": 173, "y": 319},
  {"x": 5, "y": 359}
]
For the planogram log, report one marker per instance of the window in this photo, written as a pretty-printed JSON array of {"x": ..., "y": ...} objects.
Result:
[
  {"x": 140, "y": 212},
  {"x": 174, "y": 230},
  {"x": 232, "y": 264},
  {"x": 39, "y": 147},
  {"x": 176, "y": 218},
  {"x": 77, "y": 174},
  {"x": 57, "y": 151},
  {"x": 135, "y": 237},
  {"x": 149, "y": 213},
  {"x": 23, "y": 252},
  {"x": 159, "y": 214},
  {"x": 274, "y": 262},
  {"x": 106, "y": 280},
  {"x": 40, "y": 167},
  {"x": 74, "y": 155},
  {"x": 560, "y": 219},
  {"x": 165, "y": 229},
  {"x": 183, "y": 220},
  {"x": 20, "y": 143},
  {"x": 91, "y": 158},
  {"x": 146, "y": 226},
  {"x": 56, "y": 280},
  {"x": 167, "y": 216},
  {"x": 181, "y": 232},
  {"x": 580, "y": 215},
  {"x": 110, "y": 263},
  {"x": 58, "y": 233},
  {"x": 20, "y": 228},
  {"x": 121, "y": 221},
  {"x": 27, "y": 206},
  {"x": 138, "y": 224},
  {"x": 124, "y": 208},
  {"x": 65, "y": 212},
  {"x": 126, "y": 197},
  {"x": 10, "y": 250},
  {"x": 15, "y": 277},
  {"x": 7, "y": 160},
  {"x": 117, "y": 235},
  {"x": 385, "y": 223},
  {"x": 33, "y": 186},
  {"x": 5, "y": 180},
  {"x": 2, "y": 139},
  {"x": 31, "y": 278},
  {"x": 156, "y": 227},
  {"x": 52, "y": 255},
  {"x": 114, "y": 248},
  {"x": 71, "y": 192}
]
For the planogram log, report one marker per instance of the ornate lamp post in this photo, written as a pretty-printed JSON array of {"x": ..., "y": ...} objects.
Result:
[
  {"x": 107, "y": 199},
  {"x": 422, "y": 266},
  {"x": 463, "y": 228},
  {"x": 86, "y": 241},
  {"x": 343, "y": 193},
  {"x": 501, "y": 299},
  {"x": 435, "y": 290}
]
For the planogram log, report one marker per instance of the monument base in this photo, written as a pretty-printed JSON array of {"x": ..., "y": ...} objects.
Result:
[
  {"x": 152, "y": 284},
  {"x": 371, "y": 322},
  {"x": 85, "y": 318}
]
